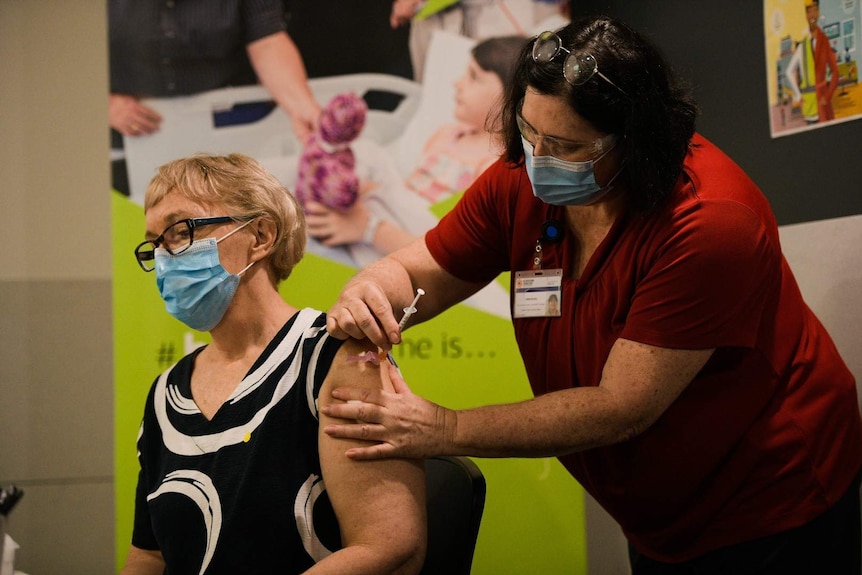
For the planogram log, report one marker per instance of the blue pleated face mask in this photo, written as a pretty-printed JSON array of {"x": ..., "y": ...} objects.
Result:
[
  {"x": 196, "y": 288},
  {"x": 563, "y": 183}
]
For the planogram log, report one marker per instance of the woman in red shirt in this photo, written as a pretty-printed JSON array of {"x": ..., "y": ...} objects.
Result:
[{"x": 685, "y": 383}]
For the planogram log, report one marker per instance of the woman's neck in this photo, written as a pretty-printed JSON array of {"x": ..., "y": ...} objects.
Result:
[
  {"x": 253, "y": 319},
  {"x": 600, "y": 215}
]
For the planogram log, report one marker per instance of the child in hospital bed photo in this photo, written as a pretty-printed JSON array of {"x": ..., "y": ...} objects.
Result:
[{"x": 392, "y": 210}]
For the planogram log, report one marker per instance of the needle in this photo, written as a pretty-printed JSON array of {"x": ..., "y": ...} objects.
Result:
[{"x": 411, "y": 309}]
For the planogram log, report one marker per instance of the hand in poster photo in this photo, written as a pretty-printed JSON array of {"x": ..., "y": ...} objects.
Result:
[
  {"x": 451, "y": 159},
  {"x": 170, "y": 49}
]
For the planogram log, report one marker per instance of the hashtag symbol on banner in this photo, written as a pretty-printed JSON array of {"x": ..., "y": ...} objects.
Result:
[{"x": 165, "y": 355}]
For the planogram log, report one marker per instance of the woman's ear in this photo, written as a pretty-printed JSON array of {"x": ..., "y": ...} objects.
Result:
[{"x": 265, "y": 232}]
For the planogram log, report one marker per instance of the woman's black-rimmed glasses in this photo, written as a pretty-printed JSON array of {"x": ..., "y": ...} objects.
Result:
[
  {"x": 577, "y": 68},
  {"x": 176, "y": 239}
]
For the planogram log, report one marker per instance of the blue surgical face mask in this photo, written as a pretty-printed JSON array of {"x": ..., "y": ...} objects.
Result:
[
  {"x": 562, "y": 183},
  {"x": 196, "y": 288}
]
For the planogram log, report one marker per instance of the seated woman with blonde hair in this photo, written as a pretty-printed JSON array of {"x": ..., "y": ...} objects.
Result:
[{"x": 235, "y": 476}]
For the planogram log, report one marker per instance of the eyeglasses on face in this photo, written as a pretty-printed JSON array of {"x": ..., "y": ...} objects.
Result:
[
  {"x": 177, "y": 238},
  {"x": 561, "y": 148},
  {"x": 577, "y": 68}
]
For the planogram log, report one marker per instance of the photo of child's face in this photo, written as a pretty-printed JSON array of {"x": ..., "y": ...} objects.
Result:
[{"x": 476, "y": 92}]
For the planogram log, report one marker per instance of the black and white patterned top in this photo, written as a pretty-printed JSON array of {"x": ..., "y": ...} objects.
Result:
[{"x": 241, "y": 493}]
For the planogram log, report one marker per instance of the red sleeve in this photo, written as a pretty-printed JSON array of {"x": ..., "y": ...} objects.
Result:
[{"x": 473, "y": 241}]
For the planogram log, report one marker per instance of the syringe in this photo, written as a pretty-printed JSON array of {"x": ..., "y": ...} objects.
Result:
[{"x": 411, "y": 309}]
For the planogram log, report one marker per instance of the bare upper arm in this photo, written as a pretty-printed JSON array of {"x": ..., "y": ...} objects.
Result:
[
  {"x": 143, "y": 562},
  {"x": 274, "y": 41},
  {"x": 645, "y": 380},
  {"x": 379, "y": 504}
]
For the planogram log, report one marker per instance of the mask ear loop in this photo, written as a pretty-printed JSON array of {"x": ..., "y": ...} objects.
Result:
[
  {"x": 245, "y": 269},
  {"x": 609, "y": 185},
  {"x": 232, "y": 232}
]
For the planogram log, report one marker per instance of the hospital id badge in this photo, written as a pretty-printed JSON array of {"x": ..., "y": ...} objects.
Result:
[{"x": 537, "y": 293}]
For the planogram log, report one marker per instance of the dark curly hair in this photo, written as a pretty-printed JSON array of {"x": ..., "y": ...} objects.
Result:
[{"x": 653, "y": 114}]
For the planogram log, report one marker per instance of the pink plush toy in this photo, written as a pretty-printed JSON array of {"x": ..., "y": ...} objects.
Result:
[{"x": 326, "y": 167}]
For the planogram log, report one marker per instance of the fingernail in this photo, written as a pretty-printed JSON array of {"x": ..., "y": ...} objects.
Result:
[{"x": 395, "y": 337}]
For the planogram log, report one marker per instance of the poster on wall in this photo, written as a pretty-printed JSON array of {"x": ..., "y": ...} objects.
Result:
[
  {"x": 812, "y": 63},
  {"x": 415, "y": 131}
]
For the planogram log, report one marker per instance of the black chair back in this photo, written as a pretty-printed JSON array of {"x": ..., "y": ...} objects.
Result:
[{"x": 455, "y": 490}]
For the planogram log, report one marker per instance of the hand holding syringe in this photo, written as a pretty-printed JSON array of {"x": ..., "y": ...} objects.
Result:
[{"x": 380, "y": 355}]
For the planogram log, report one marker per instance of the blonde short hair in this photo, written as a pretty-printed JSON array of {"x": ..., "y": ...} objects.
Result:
[{"x": 241, "y": 186}]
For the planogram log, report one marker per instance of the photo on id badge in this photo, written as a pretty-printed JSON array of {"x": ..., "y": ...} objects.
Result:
[{"x": 537, "y": 293}]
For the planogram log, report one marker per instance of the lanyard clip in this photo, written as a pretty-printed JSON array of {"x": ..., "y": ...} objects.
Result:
[{"x": 537, "y": 259}]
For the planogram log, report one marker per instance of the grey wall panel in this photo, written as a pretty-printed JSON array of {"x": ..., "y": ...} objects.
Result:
[
  {"x": 56, "y": 423},
  {"x": 56, "y": 378},
  {"x": 65, "y": 528}
]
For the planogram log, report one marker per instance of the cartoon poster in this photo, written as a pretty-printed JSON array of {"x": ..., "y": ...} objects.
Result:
[
  {"x": 463, "y": 358},
  {"x": 812, "y": 63}
]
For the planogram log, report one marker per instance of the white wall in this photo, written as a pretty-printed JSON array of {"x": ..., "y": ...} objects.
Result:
[{"x": 826, "y": 258}]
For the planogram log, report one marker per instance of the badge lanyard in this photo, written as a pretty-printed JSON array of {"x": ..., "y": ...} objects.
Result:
[{"x": 538, "y": 292}]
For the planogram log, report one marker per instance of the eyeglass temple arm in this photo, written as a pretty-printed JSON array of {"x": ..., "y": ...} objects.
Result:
[{"x": 609, "y": 81}]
